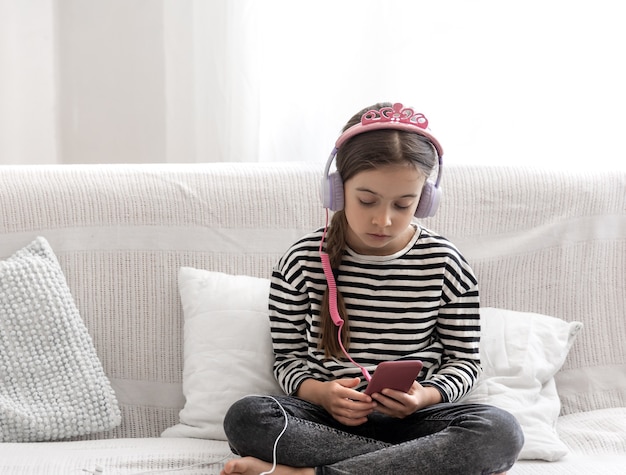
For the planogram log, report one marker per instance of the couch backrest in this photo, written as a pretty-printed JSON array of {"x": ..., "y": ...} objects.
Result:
[
  {"x": 552, "y": 242},
  {"x": 543, "y": 241}
]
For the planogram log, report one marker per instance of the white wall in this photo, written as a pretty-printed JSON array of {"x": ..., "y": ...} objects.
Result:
[{"x": 537, "y": 82}]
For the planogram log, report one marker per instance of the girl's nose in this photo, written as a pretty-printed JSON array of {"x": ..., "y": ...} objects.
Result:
[{"x": 382, "y": 217}]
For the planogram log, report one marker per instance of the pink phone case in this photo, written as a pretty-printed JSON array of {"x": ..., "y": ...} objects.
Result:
[{"x": 398, "y": 375}]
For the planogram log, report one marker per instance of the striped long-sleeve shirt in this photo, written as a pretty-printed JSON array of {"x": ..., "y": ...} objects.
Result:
[{"x": 419, "y": 303}]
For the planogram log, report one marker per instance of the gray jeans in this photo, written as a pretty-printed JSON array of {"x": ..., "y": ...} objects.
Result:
[{"x": 442, "y": 439}]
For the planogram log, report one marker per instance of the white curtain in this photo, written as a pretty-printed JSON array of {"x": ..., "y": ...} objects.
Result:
[
  {"x": 537, "y": 82},
  {"x": 27, "y": 83}
]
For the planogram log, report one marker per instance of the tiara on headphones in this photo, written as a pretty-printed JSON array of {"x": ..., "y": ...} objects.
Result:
[
  {"x": 395, "y": 117},
  {"x": 396, "y": 113}
]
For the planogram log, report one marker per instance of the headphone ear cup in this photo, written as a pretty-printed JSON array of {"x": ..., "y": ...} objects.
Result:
[
  {"x": 429, "y": 201},
  {"x": 333, "y": 192}
]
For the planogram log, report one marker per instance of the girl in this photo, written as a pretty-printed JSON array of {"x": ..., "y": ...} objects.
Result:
[{"x": 403, "y": 292}]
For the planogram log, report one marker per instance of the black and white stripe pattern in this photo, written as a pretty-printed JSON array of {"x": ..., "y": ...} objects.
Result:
[{"x": 420, "y": 303}]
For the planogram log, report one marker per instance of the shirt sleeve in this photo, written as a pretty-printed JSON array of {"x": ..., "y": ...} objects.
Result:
[
  {"x": 458, "y": 331},
  {"x": 288, "y": 310}
]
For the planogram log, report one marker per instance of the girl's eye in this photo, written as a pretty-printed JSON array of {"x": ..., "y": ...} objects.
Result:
[{"x": 366, "y": 203}]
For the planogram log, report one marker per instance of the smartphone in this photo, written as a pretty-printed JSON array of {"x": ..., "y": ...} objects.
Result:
[{"x": 398, "y": 375}]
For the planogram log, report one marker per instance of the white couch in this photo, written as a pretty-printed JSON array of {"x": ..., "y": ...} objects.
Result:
[{"x": 543, "y": 241}]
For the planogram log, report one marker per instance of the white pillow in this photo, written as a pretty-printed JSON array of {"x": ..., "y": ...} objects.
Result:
[
  {"x": 52, "y": 384},
  {"x": 227, "y": 348},
  {"x": 521, "y": 353}
]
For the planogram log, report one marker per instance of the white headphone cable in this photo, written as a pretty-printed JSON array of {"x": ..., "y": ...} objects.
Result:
[{"x": 275, "y": 448}]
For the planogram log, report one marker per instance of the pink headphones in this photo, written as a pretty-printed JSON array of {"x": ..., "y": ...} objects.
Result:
[{"x": 395, "y": 117}]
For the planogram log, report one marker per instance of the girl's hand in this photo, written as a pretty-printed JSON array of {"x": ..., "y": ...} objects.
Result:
[
  {"x": 346, "y": 405},
  {"x": 400, "y": 405}
]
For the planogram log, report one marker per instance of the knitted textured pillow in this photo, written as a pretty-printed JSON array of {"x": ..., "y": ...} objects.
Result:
[{"x": 52, "y": 384}]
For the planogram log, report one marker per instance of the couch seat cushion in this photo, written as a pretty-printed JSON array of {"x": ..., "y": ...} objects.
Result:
[{"x": 115, "y": 456}]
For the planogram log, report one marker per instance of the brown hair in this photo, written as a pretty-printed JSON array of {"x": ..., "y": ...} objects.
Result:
[{"x": 362, "y": 152}]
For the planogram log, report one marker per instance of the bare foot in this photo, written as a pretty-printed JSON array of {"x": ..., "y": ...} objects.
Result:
[{"x": 252, "y": 466}]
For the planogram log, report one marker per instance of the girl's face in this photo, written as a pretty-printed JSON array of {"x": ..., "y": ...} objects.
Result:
[{"x": 379, "y": 207}]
